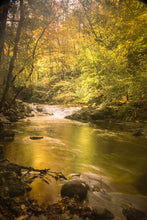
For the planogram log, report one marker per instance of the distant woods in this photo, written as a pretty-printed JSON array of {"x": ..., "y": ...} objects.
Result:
[{"x": 81, "y": 51}]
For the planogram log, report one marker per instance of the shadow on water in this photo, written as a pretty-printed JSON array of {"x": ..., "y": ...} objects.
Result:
[{"x": 141, "y": 183}]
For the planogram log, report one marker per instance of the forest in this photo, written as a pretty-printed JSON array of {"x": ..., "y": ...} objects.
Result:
[
  {"x": 81, "y": 52},
  {"x": 73, "y": 109}
]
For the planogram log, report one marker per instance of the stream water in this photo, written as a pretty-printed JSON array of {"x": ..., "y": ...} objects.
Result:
[{"x": 73, "y": 147}]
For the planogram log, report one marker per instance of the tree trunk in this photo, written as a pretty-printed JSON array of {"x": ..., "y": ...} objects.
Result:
[
  {"x": 12, "y": 61},
  {"x": 3, "y": 20}
]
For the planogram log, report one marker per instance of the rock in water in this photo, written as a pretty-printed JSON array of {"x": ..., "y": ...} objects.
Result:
[
  {"x": 36, "y": 138},
  {"x": 39, "y": 109},
  {"x": 133, "y": 214},
  {"x": 102, "y": 214},
  {"x": 137, "y": 133},
  {"x": 75, "y": 188}
]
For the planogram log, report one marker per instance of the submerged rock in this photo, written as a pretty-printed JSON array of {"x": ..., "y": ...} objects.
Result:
[
  {"x": 36, "y": 138},
  {"x": 102, "y": 214},
  {"x": 75, "y": 188},
  {"x": 138, "y": 133},
  {"x": 133, "y": 214}
]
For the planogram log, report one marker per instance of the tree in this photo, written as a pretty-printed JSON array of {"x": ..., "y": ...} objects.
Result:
[
  {"x": 25, "y": 41},
  {"x": 13, "y": 58},
  {"x": 114, "y": 69},
  {"x": 3, "y": 19}
]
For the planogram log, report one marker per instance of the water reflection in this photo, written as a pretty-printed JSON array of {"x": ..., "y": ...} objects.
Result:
[
  {"x": 44, "y": 193},
  {"x": 73, "y": 147}
]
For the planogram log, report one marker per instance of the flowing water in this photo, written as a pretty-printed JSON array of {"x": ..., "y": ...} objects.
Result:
[{"x": 73, "y": 148}]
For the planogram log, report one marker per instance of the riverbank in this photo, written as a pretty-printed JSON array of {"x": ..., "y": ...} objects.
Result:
[
  {"x": 109, "y": 117},
  {"x": 8, "y": 116}
]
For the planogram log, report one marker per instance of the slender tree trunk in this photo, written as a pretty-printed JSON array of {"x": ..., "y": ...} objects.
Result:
[
  {"x": 3, "y": 20},
  {"x": 12, "y": 61}
]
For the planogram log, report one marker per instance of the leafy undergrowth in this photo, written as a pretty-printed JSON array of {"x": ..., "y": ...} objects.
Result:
[{"x": 25, "y": 209}]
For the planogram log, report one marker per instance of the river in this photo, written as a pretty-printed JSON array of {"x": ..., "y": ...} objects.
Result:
[{"x": 73, "y": 147}]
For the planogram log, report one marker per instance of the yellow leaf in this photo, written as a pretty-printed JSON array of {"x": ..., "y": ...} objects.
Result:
[
  {"x": 21, "y": 217},
  {"x": 22, "y": 206}
]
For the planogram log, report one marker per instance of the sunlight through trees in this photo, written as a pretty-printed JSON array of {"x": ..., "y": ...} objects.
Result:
[{"x": 79, "y": 51}]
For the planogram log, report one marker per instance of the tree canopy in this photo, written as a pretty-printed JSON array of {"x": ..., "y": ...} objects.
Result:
[{"x": 80, "y": 51}]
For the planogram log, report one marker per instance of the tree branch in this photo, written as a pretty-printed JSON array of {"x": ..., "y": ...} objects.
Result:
[{"x": 91, "y": 26}]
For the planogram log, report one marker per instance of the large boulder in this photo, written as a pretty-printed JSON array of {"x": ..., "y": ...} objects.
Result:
[{"x": 75, "y": 188}]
